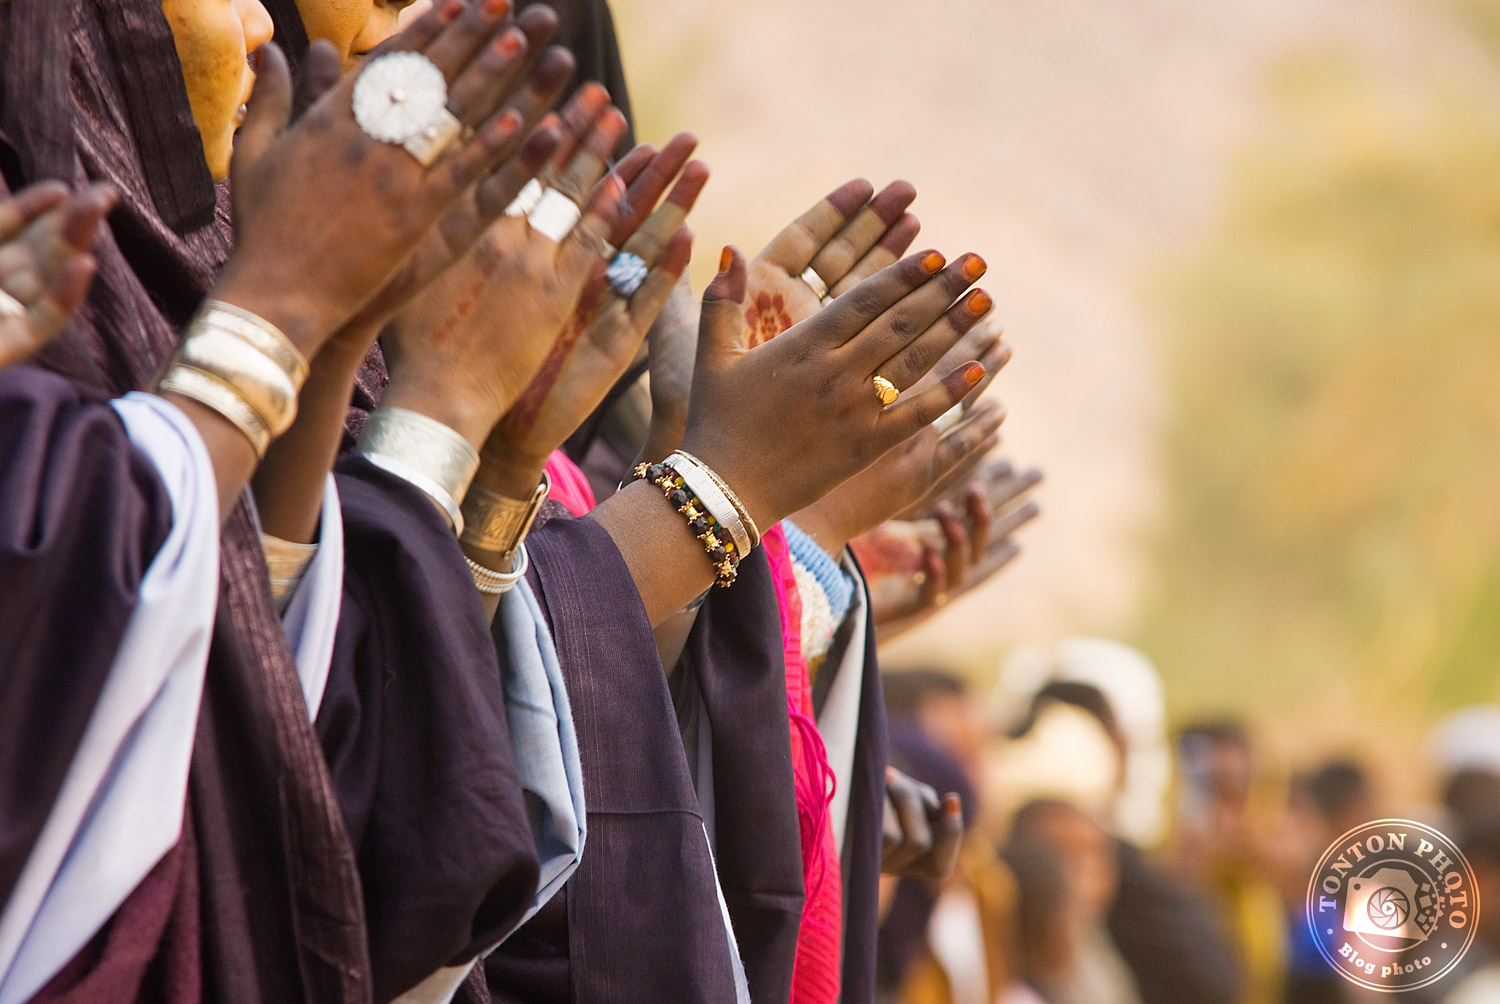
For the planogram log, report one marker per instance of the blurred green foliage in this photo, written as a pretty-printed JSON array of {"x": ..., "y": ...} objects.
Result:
[{"x": 1330, "y": 564}]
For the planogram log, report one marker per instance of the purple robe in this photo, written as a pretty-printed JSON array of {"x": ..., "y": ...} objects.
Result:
[
  {"x": 413, "y": 723},
  {"x": 640, "y": 920},
  {"x": 266, "y": 903}
]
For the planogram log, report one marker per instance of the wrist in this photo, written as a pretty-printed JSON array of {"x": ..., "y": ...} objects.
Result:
[
  {"x": 513, "y": 476},
  {"x": 822, "y": 525},
  {"x": 300, "y": 317},
  {"x": 469, "y": 414}
]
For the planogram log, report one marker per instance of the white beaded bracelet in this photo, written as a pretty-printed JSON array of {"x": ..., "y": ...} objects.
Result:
[
  {"x": 493, "y": 583},
  {"x": 709, "y": 489}
]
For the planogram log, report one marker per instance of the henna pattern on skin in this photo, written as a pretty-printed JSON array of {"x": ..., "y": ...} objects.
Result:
[
  {"x": 522, "y": 417},
  {"x": 765, "y": 318}
]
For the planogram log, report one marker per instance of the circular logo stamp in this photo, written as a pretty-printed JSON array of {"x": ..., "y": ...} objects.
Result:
[{"x": 1392, "y": 905}]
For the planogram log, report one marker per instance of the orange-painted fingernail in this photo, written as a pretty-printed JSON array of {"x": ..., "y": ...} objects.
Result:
[
  {"x": 510, "y": 43},
  {"x": 979, "y": 303},
  {"x": 954, "y": 804},
  {"x": 932, "y": 263},
  {"x": 974, "y": 267},
  {"x": 973, "y": 373},
  {"x": 450, "y": 11},
  {"x": 726, "y": 259},
  {"x": 592, "y": 96},
  {"x": 496, "y": 8}
]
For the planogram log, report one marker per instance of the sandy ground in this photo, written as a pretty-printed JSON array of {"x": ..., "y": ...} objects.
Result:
[{"x": 1073, "y": 143}]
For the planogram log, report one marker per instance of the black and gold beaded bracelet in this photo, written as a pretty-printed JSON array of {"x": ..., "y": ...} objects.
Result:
[{"x": 717, "y": 543}]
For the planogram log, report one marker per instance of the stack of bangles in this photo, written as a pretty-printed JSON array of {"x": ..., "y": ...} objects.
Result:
[
  {"x": 242, "y": 367},
  {"x": 714, "y": 513}
]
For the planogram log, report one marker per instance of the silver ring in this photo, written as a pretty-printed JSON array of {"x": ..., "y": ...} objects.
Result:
[
  {"x": 401, "y": 98},
  {"x": 11, "y": 309},
  {"x": 525, "y": 200},
  {"x": 626, "y": 273},
  {"x": 555, "y": 215},
  {"x": 815, "y": 283}
]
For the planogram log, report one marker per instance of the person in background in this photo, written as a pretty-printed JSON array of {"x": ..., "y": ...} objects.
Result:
[
  {"x": 944, "y": 941},
  {"x": 1067, "y": 871},
  {"x": 1087, "y": 722},
  {"x": 1218, "y": 847}
]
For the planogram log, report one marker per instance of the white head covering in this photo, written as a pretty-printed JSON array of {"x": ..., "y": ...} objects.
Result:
[
  {"x": 1468, "y": 739},
  {"x": 1132, "y": 688}
]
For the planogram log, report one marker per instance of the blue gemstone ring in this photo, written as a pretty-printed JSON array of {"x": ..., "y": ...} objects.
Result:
[{"x": 626, "y": 273}]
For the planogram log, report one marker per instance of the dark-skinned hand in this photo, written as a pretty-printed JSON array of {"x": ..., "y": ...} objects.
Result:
[
  {"x": 46, "y": 235},
  {"x": 811, "y": 389},
  {"x": 922, "y": 832},
  {"x": 325, "y": 216}
]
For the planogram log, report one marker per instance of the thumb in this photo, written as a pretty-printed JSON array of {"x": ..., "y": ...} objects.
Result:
[
  {"x": 721, "y": 329},
  {"x": 269, "y": 109}
]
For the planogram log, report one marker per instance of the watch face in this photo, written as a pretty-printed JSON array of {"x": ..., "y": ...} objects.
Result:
[{"x": 399, "y": 96}]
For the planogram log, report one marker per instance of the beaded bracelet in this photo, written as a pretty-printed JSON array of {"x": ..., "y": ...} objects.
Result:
[{"x": 716, "y": 541}]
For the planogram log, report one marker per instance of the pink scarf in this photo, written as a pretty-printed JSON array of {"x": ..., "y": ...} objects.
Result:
[
  {"x": 570, "y": 487},
  {"x": 815, "y": 975}
]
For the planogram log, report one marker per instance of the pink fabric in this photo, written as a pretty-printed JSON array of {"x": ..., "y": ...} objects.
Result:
[
  {"x": 815, "y": 975},
  {"x": 570, "y": 486}
]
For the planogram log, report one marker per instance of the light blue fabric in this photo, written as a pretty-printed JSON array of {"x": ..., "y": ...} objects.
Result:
[
  {"x": 545, "y": 743},
  {"x": 837, "y": 585}
]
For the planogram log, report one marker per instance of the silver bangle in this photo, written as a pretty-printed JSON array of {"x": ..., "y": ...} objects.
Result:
[
  {"x": 424, "y": 452},
  {"x": 696, "y": 477},
  {"x": 493, "y": 583},
  {"x": 734, "y": 500}
]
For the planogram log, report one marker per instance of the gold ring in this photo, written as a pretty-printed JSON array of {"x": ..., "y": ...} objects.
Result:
[{"x": 886, "y": 391}]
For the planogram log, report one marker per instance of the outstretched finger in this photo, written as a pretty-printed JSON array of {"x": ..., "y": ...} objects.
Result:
[
  {"x": 956, "y": 545},
  {"x": 17, "y": 213},
  {"x": 319, "y": 74},
  {"x": 981, "y": 518},
  {"x": 891, "y": 246},
  {"x": 909, "y": 324},
  {"x": 646, "y": 188},
  {"x": 588, "y": 163},
  {"x": 861, "y": 234},
  {"x": 649, "y": 241},
  {"x": 505, "y": 65},
  {"x": 70, "y": 284},
  {"x": 721, "y": 319},
  {"x": 649, "y": 301},
  {"x": 793, "y": 249},
  {"x": 908, "y": 366},
  {"x": 908, "y": 415},
  {"x": 496, "y": 192},
  {"x": 458, "y": 45},
  {"x": 850, "y": 318},
  {"x": 269, "y": 108}
]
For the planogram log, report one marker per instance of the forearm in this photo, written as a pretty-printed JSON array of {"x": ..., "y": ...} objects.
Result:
[
  {"x": 666, "y": 562},
  {"x": 289, "y": 483}
]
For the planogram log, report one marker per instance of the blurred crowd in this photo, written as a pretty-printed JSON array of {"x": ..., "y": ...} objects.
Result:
[{"x": 1109, "y": 858}]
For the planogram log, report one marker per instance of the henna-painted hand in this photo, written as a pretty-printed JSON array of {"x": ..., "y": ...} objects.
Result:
[
  {"x": 846, "y": 238},
  {"x": 467, "y": 348},
  {"x": 324, "y": 214},
  {"x": 46, "y": 234},
  {"x": 787, "y": 421},
  {"x": 483, "y": 205},
  {"x": 607, "y": 330},
  {"x": 921, "y": 833},
  {"x": 912, "y": 568}
]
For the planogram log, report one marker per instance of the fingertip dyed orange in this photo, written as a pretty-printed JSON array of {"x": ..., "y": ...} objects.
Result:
[
  {"x": 510, "y": 43},
  {"x": 974, "y": 267},
  {"x": 973, "y": 373},
  {"x": 932, "y": 263},
  {"x": 726, "y": 258},
  {"x": 980, "y": 303},
  {"x": 496, "y": 8}
]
